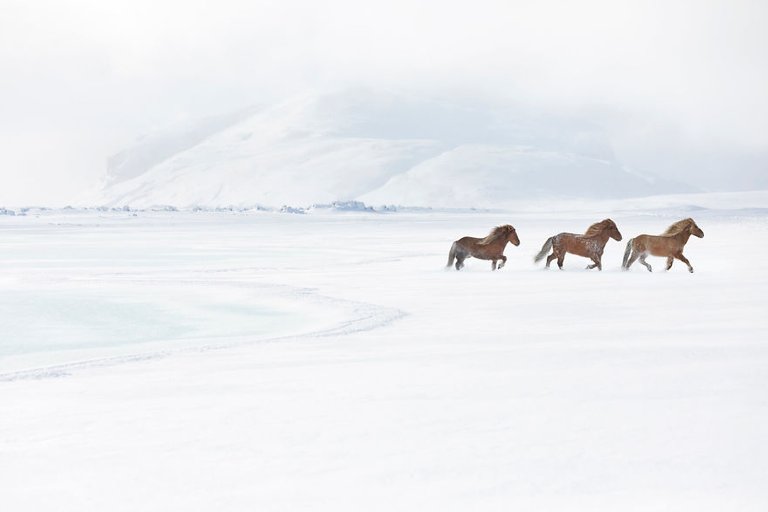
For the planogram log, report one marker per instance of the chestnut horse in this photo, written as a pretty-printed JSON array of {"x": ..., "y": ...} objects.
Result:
[
  {"x": 669, "y": 244},
  {"x": 590, "y": 244},
  {"x": 489, "y": 248}
]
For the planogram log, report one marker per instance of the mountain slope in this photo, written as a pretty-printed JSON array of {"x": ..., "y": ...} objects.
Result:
[{"x": 379, "y": 148}]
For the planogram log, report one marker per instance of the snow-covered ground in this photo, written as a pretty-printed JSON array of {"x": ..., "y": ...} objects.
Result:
[{"x": 264, "y": 361}]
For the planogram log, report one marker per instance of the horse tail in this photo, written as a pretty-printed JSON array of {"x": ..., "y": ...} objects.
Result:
[
  {"x": 451, "y": 255},
  {"x": 626, "y": 253},
  {"x": 544, "y": 250}
]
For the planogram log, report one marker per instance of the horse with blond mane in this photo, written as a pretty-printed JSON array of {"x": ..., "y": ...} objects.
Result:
[
  {"x": 669, "y": 244},
  {"x": 589, "y": 245},
  {"x": 489, "y": 248}
]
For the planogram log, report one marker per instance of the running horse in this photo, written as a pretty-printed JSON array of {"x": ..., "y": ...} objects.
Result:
[
  {"x": 669, "y": 244},
  {"x": 489, "y": 248},
  {"x": 589, "y": 245}
]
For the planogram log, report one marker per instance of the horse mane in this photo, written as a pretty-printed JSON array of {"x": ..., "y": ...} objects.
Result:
[
  {"x": 678, "y": 226},
  {"x": 495, "y": 234},
  {"x": 597, "y": 227}
]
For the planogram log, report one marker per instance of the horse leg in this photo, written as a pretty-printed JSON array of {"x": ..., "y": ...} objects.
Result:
[
  {"x": 632, "y": 259},
  {"x": 560, "y": 259},
  {"x": 503, "y": 262},
  {"x": 595, "y": 264},
  {"x": 460, "y": 261},
  {"x": 684, "y": 260},
  {"x": 493, "y": 264},
  {"x": 647, "y": 265},
  {"x": 550, "y": 258},
  {"x": 669, "y": 262}
]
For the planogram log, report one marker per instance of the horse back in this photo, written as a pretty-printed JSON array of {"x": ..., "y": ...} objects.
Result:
[
  {"x": 472, "y": 247},
  {"x": 468, "y": 241},
  {"x": 575, "y": 244},
  {"x": 656, "y": 245}
]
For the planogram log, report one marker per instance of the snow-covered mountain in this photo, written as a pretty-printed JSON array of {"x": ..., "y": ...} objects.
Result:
[{"x": 374, "y": 147}]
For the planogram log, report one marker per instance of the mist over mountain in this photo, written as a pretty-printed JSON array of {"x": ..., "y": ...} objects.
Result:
[{"x": 381, "y": 148}]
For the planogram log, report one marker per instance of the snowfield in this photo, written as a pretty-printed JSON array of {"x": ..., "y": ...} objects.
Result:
[{"x": 163, "y": 361}]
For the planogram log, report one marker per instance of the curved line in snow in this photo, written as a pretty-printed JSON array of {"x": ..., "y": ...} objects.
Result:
[{"x": 365, "y": 317}]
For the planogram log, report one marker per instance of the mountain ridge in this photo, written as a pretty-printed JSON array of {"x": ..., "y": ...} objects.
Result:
[{"x": 377, "y": 148}]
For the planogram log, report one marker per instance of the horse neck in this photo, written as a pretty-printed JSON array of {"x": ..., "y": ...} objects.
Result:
[
  {"x": 683, "y": 236},
  {"x": 602, "y": 237},
  {"x": 499, "y": 243}
]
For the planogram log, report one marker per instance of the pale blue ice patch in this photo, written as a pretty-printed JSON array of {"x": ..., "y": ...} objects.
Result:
[{"x": 51, "y": 326}]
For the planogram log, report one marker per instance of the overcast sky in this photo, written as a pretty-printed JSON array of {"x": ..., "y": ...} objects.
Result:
[{"x": 79, "y": 80}]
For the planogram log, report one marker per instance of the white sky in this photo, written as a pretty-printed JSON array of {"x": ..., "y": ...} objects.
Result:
[{"x": 79, "y": 80}]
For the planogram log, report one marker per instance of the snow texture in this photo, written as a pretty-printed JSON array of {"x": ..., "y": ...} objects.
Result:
[{"x": 162, "y": 360}]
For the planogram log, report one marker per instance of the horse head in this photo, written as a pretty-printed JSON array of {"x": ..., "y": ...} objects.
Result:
[
  {"x": 696, "y": 230},
  {"x": 613, "y": 230},
  {"x": 512, "y": 235}
]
